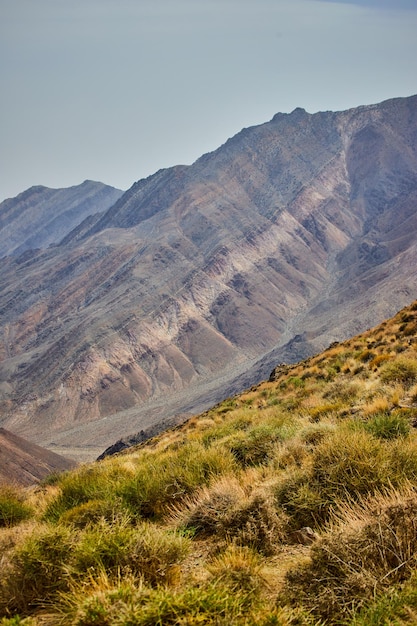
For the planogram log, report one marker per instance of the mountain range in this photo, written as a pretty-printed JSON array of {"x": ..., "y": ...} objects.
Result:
[{"x": 130, "y": 311}]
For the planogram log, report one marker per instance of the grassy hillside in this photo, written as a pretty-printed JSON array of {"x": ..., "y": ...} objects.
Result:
[{"x": 294, "y": 503}]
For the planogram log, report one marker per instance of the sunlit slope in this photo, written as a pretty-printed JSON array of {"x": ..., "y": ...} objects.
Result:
[{"x": 294, "y": 502}]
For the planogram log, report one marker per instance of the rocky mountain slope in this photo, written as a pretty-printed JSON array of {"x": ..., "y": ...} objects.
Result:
[
  {"x": 199, "y": 279},
  {"x": 25, "y": 463},
  {"x": 40, "y": 217}
]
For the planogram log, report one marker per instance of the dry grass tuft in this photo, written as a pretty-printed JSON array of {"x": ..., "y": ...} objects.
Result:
[
  {"x": 234, "y": 514},
  {"x": 373, "y": 547}
]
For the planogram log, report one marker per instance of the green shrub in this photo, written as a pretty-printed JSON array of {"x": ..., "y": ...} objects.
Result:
[
  {"x": 127, "y": 605},
  {"x": 402, "y": 454},
  {"x": 314, "y": 433},
  {"x": 239, "y": 423},
  {"x": 13, "y": 509},
  {"x": 257, "y": 445},
  {"x": 95, "y": 482},
  {"x": 239, "y": 570},
  {"x": 91, "y": 512},
  {"x": 254, "y": 447},
  {"x": 346, "y": 465},
  {"x": 350, "y": 464},
  {"x": 295, "y": 381},
  {"x": 342, "y": 391},
  {"x": 366, "y": 355},
  {"x": 304, "y": 503},
  {"x": 402, "y": 370},
  {"x": 323, "y": 410},
  {"x": 145, "y": 551},
  {"x": 379, "y": 360},
  {"x": 388, "y": 426},
  {"x": 37, "y": 569},
  {"x": 395, "y": 606},
  {"x": 164, "y": 480}
]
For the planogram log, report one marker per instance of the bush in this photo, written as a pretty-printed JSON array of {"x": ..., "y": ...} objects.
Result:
[
  {"x": 167, "y": 479},
  {"x": 394, "y": 606},
  {"x": 374, "y": 548},
  {"x": 92, "y": 512},
  {"x": 323, "y": 410},
  {"x": 48, "y": 561},
  {"x": 350, "y": 464},
  {"x": 379, "y": 360},
  {"x": 254, "y": 447},
  {"x": 13, "y": 509},
  {"x": 145, "y": 551},
  {"x": 314, "y": 434},
  {"x": 36, "y": 570},
  {"x": 346, "y": 465},
  {"x": 366, "y": 355},
  {"x": 257, "y": 445},
  {"x": 239, "y": 570},
  {"x": 304, "y": 503},
  {"x": 98, "y": 482},
  {"x": 388, "y": 426},
  {"x": 226, "y": 510},
  {"x": 207, "y": 511},
  {"x": 342, "y": 391},
  {"x": 402, "y": 370},
  {"x": 240, "y": 422},
  {"x": 132, "y": 605}
]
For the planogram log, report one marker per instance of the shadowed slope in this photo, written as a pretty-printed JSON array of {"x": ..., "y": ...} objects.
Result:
[
  {"x": 25, "y": 463},
  {"x": 40, "y": 216}
]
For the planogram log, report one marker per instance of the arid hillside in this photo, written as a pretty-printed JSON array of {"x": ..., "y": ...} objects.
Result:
[
  {"x": 291, "y": 235},
  {"x": 24, "y": 463},
  {"x": 291, "y": 503}
]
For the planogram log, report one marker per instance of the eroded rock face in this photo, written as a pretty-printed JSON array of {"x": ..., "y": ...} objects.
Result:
[{"x": 200, "y": 279}]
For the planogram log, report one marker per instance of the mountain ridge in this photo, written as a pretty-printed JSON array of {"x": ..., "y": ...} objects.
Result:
[
  {"x": 277, "y": 243},
  {"x": 42, "y": 216}
]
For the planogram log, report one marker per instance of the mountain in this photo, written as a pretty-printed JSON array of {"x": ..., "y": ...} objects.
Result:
[
  {"x": 40, "y": 217},
  {"x": 25, "y": 463},
  {"x": 198, "y": 279}
]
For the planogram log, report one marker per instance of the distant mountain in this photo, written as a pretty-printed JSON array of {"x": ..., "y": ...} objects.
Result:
[
  {"x": 199, "y": 279},
  {"x": 40, "y": 217},
  {"x": 25, "y": 463}
]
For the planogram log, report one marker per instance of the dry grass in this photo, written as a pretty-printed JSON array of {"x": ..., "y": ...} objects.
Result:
[
  {"x": 233, "y": 513},
  {"x": 372, "y": 547}
]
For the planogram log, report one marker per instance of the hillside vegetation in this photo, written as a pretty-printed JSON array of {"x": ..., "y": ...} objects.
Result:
[{"x": 294, "y": 503}]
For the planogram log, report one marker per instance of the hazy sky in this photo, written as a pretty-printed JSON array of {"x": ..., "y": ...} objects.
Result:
[{"x": 113, "y": 90}]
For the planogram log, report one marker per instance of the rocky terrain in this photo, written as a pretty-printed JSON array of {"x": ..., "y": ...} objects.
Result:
[
  {"x": 199, "y": 279},
  {"x": 24, "y": 463}
]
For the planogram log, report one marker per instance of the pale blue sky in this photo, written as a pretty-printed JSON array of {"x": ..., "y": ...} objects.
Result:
[{"x": 113, "y": 90}]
